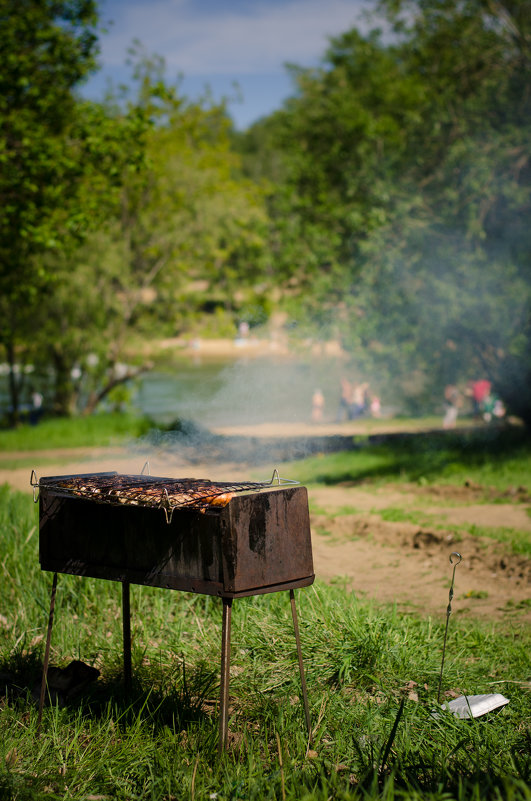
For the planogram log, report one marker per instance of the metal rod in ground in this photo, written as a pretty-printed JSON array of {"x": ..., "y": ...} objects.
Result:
[
  {"x": 46, "y": 654},
  {"x": 448, "y": 613},
  {"x": 225, "y": 673},
  {"x": 126, "y": 627},
  {"x": 301, "y": 665}
]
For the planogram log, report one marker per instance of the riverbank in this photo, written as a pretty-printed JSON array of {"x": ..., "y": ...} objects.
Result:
[
  {"x": 277, "y": 344},
  {"x": 362, "y": 427}
]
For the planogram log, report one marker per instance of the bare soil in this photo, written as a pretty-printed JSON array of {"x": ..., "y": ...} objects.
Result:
[
  {"x": 400, "y": 562},
  {"x": 408, "y": 564}
]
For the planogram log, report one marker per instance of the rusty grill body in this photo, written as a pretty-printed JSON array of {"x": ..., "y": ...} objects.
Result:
[{"x": 257, "y": 542}]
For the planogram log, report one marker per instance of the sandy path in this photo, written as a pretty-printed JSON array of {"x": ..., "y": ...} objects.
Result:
[
  {"x": 395, "y": 562},
  {"x": 122, "y": 460}
]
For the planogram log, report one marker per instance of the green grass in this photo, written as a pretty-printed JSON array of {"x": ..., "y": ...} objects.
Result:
[
  {"x": 94, "y": 431},
  {"x": 498, "y": 458},
  {"x": 362, "y": 661},
  {"x": 519, "y": 542},
  {"x": 475, "y": 594},
  {"x": 394, "y": 514}
]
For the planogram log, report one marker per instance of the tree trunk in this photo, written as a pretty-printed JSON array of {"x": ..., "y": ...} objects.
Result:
[
  {"x": 513, "y": 385},
  {"x": 96, "y": 397},
  {"x": 14, "y": 385},
  {"x": 64, "y": 389}
]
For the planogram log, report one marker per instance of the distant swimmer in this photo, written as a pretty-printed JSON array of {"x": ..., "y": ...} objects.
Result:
[{"x": 318, "y": 404}]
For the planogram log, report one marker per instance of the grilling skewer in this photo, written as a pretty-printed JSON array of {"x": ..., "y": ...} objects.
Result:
[
  {"x": 465, "y": 706},
  {"x": 448, "y": 613}
]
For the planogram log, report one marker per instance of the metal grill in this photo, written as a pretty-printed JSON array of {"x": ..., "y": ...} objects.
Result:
[
  {"x": 230, "y": 539},
  {"x": 153, "y": 492}
]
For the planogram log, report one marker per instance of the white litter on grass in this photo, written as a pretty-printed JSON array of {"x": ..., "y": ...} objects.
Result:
[{"x": 473, "y": 706}]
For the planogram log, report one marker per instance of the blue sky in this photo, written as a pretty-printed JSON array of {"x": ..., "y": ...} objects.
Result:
[{"x": 218, "y": 43}]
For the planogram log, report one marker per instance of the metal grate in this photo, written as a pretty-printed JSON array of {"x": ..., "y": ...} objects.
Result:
[{"x": 152, "y": 491}]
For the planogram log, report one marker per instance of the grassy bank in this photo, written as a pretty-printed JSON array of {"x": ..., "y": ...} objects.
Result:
[
  {"x": 490, "y": 457},
  {"x": 96, "y": 430},
  {"x": 361, "y": 661},
  {"x": 495, "y": 463}
]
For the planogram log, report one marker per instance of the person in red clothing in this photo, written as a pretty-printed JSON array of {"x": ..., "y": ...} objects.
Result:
[{"x": 480, "y": 391}]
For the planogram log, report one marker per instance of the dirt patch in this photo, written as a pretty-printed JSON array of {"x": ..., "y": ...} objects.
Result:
[
  {"x": 469, "y": 491},
  {"x": 392, "y": 561},
  {"x": 407, "y": 565}
]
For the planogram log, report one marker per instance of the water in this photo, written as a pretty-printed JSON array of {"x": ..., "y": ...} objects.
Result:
[
  {"x": 245, "y": 391},
  {"x": 231, "y": 392}
]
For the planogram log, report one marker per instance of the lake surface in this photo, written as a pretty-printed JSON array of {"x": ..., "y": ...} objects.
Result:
[{"x": 240, "y": 391}]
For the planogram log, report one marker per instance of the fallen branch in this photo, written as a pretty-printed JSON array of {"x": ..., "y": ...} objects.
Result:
[{"x": 95, "y": 398}]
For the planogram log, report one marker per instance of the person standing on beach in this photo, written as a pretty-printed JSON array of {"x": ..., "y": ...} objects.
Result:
[
  {"x": 345, "y": 400},
  {"x": 452, "y": 402},
  {"x": 318, "y": 403}
]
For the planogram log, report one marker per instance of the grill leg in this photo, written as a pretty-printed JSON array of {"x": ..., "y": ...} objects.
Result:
[
  {"x": 126, "y": 624},
  {"x": 301, "y": 666},
  {"x": 46, "y": 654},
  {"x": 225, "y": 669}
]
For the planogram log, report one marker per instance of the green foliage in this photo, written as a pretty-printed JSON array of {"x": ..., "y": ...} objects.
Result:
[
  {"x": 385, "y": 204},
  {"x": 413, "y": 157},
  {"x": 196, "y": 220},
  {"x": 176, "y": 215},
  {"x": 62, "y": 162},
  {"x": 47, "y": 49}
]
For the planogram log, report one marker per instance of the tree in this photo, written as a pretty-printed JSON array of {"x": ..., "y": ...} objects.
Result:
[
  {"x": 182, "y": 216},
  {"x": 414, "y": 157},
  {"x": 80, "y": 304},
  {"x": 466, "y": 236},
  {"x": 45, "y": 50},
  {"x": 332, "y": 151}
]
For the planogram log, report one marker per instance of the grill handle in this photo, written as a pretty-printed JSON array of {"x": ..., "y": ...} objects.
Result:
[{"x": 34, "y": 481}]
